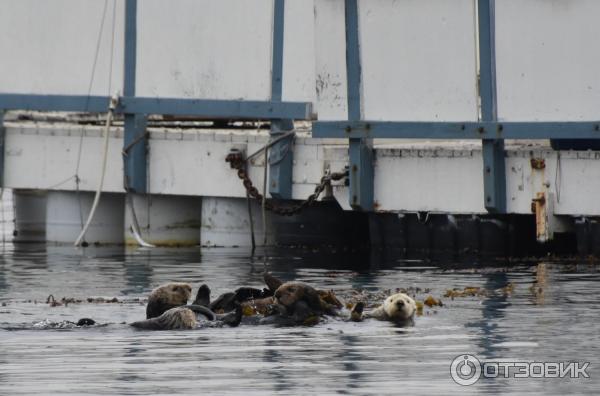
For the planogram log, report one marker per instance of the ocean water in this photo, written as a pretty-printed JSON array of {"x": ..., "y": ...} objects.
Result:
[{"x": 538, "y": 311}]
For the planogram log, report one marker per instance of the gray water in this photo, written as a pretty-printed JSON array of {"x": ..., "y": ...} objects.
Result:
[{"x": 550, "y": 315}]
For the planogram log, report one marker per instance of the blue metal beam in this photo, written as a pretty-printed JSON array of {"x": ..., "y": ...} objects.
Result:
[
  {"x": 2, "y": 139},
  {"x": 277, "y": 55},
  {"x": 281, "y": 159},
  {"x": 360, "y": 153},
  {"x": 205, "y": 108},
  {"x": 74, "y": 103},
  {"x": 135, "y": 159},
  {"x": 456, "y": 130},
  {"x": 247, "y": 109},
  {"x": 494, "y": 172}
]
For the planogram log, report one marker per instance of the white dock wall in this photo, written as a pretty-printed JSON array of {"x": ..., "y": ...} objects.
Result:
[
  {"x": 548, "y": 54},
  {"x": 49, "y": 47}
]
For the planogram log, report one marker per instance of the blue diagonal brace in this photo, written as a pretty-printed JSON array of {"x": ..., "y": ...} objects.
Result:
[
  {"x": 135, "y": 142},
  {"x": 494, "y": 172},
  {"x": 361, "y": 183},
  {"x": 281, "y": 159}
]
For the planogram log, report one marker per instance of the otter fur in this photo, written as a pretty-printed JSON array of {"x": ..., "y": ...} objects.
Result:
[
  {"x": 178, "y": 318},
  {"x": 167, "y": 296},
  {"x": 397, "y": 308},
  {"x": 289, "y": 294}
]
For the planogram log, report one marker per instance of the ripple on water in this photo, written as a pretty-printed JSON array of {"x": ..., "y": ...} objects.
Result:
[{"x": 551, "y": 313}]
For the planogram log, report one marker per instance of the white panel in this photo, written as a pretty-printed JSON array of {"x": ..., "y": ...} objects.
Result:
[
  {"x": 548, "y": 54},
  {"x": 418, "y": 59},
  {"x": 330, "y": 57},
  {"x": 63, "y": 217},
  {"x": 205, "y": 49},
  {"x": 299, "y": 51},
  {"x": 39, "y": 158},
  {"x": 49, "y": 47},
  {"x": 422, "y": 180}
]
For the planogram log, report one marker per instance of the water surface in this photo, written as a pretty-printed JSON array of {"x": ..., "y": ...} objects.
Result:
[{"x": 534, "y": 311}]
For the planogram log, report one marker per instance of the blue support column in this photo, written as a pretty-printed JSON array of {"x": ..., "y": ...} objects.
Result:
[
  {"x": 135, "y": 165},
  {"x": 281, "y": 159},
  {"x": 2, "y": 140},
  {"x": 494, "y": 171},
  {"x": 360, "y": 149}
]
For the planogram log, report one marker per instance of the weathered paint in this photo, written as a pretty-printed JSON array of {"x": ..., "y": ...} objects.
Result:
[
  {"x": 226, "y": 222},
  {"x": 165, "y": 220},
  {"x": 409, "y": 176}
]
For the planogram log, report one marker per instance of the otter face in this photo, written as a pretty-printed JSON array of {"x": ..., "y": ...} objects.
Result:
[
  {"x": 399, "y": 307},
  {"x": 167, "y": 296},
  {"x": 179, "y": 293},
  {"x": 289, "y": 293}
]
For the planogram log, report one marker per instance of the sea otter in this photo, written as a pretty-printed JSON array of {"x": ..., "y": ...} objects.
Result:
[
  {"x": 167, "y": 296},
  {"x": 298, "y": 303},
  {"x": 178, "y": 318},
  {"x": 184, "y": 316},
  {"x": 399, "y": 308}
]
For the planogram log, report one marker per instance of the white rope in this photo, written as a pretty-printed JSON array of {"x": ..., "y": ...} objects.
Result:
[
  {"x": 109, "y": 117},
  {"x": 135, "y": 225}
]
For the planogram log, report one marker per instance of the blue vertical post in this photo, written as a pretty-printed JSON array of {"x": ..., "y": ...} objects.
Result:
[
  {"x": 2, "y": 140},
  {"x": 494, "y": 171},
  {"x": 281, "y": 159},
  {"x": 360, "y": 150},
  {"x": 135, "y": 124}
]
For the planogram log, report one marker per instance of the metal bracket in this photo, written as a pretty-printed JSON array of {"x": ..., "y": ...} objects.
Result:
[
  {"x": 361, "y": 175},
  {"x": 135, "y": 162},
  {"x": 494, "y": 175},
  {"x": 281, "y": 160}
]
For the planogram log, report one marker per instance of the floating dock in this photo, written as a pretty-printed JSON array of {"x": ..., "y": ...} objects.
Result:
[{"x": 470, "y": 127}]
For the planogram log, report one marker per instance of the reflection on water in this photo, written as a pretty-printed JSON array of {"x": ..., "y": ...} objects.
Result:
[{"x": 535, "y": 312}]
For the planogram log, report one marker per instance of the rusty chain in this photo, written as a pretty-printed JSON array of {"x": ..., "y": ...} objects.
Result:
[{"x": 236, "y": 161}]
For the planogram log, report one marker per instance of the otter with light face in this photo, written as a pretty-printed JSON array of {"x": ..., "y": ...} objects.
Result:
[
  {"x": 167, "y": 296},
  {"x": 399, "y": 308}
]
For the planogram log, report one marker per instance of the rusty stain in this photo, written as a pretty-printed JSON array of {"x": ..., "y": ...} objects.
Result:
[
  {"x": 376, "y": 205},
  {"x": 538, "y": 205},
  {"x": 538, "y": 163}
]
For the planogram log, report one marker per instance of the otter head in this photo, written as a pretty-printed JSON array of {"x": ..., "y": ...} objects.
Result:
[
  {"x": 289, "y": 293},
  {"x": 166, "y": 297},
  {"x": 399, "y": 307}
]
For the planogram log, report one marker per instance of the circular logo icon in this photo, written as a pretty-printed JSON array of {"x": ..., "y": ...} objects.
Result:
[{"x": 465, "y": 370}]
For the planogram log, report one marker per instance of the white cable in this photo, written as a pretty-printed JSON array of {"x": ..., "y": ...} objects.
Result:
[
  {"x": 109, "y": 117},
  {"x": 135, "y": 225},
  {"x": 139, "y": 239}
]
